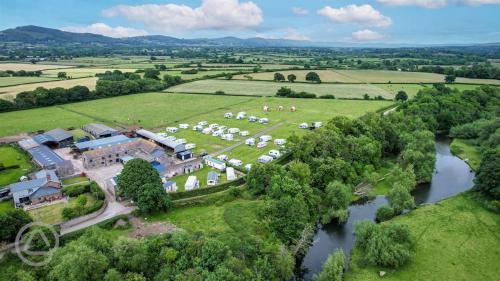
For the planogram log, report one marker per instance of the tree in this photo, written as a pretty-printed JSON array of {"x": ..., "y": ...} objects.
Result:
[
  {"x": 153, "y": 198},
  {"x": 488, "y": 174},
  {"x": 366, "y": 97},
  {"x": 291, "y": 78},
  {"x": 213, "y": 252},
  {"x": 313, "y": 77},
  {"x": 401, "y": 96},
  {"x": 12, "y": 221},
  {"x": 333, "y": 268},
  {"x": 152, "y": 73},
  {"x": 172, "y": 80},
  {"x": 384, "y": 213},
  {"x": 336, "y": 201},
  {"x": 450, "y": 78},
  {"x": 278, "y": 77},
  {"x": 259, "y": 177},
  {"x": 6, "y": 105},
  {"x": 400, "y": 198},
  {"x": 283, "y": 92},
  {"x": 287, "y": 217},
  {"x": 61, "y": 75}
]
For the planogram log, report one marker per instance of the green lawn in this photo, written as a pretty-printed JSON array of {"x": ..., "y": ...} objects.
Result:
[
  {"x": 239, "y": 216},
  {"x": 269, "y": 88},
  {"x": 12, "y": 156},
  {"x": 201, "y": 175},
  {"x": 467, "y": 151},
  {"x": 52, "y": 214},
  {"x": 6, "y": 205},
  {"x": 383, "y": 186},
  {"x": 74, "y": 180},
  {"x": 456, "y": 239},
  {"x": 10, "y": 81}
]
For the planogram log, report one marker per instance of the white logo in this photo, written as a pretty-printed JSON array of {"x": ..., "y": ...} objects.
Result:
[{"x": 23, "y": 250}]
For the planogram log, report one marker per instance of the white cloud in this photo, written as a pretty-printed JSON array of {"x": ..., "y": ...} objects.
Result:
[
  {"x": 367, "y": 35},
  {"x": 293, "y": 34},
  {"x": 104, "y": 29},
  {"x": 435, "y": 4},
  {"x": 364, "y": 15},
  {"x": 300, "y": 11},
  {"x": 212, "y": 14}
]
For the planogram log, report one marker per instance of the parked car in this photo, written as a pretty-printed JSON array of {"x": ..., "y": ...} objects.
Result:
[
  {"x": 303, "y": 126},
  {"x": 202, "y": 123},
  {"x": 250, "y": 141}
]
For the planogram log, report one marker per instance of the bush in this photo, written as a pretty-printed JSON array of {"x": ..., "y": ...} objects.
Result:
[
  {"x": 75, "y": 190},
  {"x": 207, "y": 190},
  {"x": 96, "y": 191},
  {"x": 385, "y": 213},
  {"x": 327, "y": 97},
  {"x": 81, "y": 200},
  {"x": 109, "y": 223},
  {"x": 235, "y": 191}
]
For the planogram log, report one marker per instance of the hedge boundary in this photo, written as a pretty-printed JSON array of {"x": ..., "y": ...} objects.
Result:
[{"x": 207, "y": 190}]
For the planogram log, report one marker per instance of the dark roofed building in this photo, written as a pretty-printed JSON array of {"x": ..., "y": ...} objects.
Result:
[
  {"x": 174, "y": 146},
  {"x": 100, "y": 130},
  {"x": 56, "y": 138},
  {"x": 45, "y": 187},
  {"x": 48, "y": 159}
]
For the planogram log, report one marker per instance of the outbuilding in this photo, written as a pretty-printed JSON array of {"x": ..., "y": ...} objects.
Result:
[
  {"x": 230, "y": 174},
  {"x": 170, "y": 186},
  {"x": 192, "y": 183},
  {"x": 184, "y": 155},
  {"x": 100, "y": 130},
  {"x": 215, "y": 163},
  {"x": 212, "y": 178}
]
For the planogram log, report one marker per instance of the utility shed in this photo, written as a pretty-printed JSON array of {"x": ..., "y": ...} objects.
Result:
[
  {"x": 173, "y": 145},
  {"x": 230, "y": 174},
  {"x": 191, "y": 183},
  {"x": 56, "y": 138},
  {"x": 48, "y": 159},
  {"x": 100, "y": 130},
  {"x": 212, "y": 178}
]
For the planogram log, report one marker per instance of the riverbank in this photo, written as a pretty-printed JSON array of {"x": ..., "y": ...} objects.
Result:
[
  {"x": 456, "y": 239},
  {"x": 467, "y": 151}
]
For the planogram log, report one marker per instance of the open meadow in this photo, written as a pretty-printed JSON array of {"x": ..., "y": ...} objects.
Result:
[
  {"x": 19, "y": 80},
  {"x": 456, "y": 239},
  {"x": 264, "y": 88},
  {"x": 10, "y": 92},
  {"x": 29, "y": 66}
]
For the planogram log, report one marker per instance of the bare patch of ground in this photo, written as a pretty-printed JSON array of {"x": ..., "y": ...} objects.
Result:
[{"x": 145, "y": 229}]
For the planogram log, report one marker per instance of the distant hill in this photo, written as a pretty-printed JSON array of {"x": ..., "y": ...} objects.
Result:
[{"x": 40, "y": 35}]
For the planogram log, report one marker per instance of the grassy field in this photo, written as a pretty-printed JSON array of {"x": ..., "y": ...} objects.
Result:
[
  {"x": 456, "y": 239},
  {"x": 75, "y": 180},
  {"x": 238, "y": 217},
  {"x": 12, "y": 156},
  {"x": 11, "y": 91},
  {"x": 262, "y": 88},
  {"x": 201, "y": 175},
  {"x": 29, "y": 66},
  {"x": 466, "y": 151},
  {"x": 10, "y": 81},
  {"x": 200, "y": 74},
  {"x": 80, "y": 72},
  {"x": 52, "y": 214},
  {"x": 369, "y": 76},
  {"x": 6, "y": 205}
]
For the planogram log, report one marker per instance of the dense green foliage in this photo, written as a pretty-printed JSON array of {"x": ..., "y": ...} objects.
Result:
[
  {"x": 488, "y": 175},
  {"x": 140, "y": 182},
  {"x": 12, "y": 221},
  {"x": 333, "y": 268}
]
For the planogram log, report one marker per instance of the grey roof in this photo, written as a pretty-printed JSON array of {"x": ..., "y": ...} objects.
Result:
[
  {"x": 105, "y": 142},
  {"x": 44, "y": 156},
  {"x": 212, "y": 176},
  {"x": 44, "y": 191},
  {"x": 43, "y": 175},
  {"x": 99, "y": 129},
  {"x": 168, "y": 184},
  {"x": 28, "y": 143},
  {"x": 56, "y": 135},
  {"x": 31, "y": 184},
  {"x": 174, "y": 145}
]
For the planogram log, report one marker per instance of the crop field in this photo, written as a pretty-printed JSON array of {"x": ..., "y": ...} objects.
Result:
[
  {"x": 263, "y": 88},
  {"x": 369, "y": 76},
  {"x": 11, "y": 81},
  {"x": 29, "y": 66},
  {"x": 456, "y": 239},
  {"x": 78, "y": 72},
  {"x": 10, "y": 156},
  {"x": 11, "y": 91},
  {"x": 200, "y": 74}
]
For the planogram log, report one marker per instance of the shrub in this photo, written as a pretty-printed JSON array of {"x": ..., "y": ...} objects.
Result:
[
  {"x": 75, "y": 190},
  {"x": 81, "y": 200},
  {"x": 96, "y": 191},
  {"x": 385, "y": 213}
]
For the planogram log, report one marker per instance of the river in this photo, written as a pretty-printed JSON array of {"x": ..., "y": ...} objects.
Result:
[{"x": 451, "y": 176}]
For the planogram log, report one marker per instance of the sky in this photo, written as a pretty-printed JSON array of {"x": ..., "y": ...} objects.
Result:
[{"x": 369, "y": 21}]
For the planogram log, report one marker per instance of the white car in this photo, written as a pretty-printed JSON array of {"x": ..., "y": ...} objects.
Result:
[
  {"x": 183, "y": 126},
  {"x": 274, "y": 153},
  {"x": 317, "y": 124},
  {"x": 252, "y": 119},
  {"x": 228, "y": 137},
  {"x": 263, "y": 120},
  {"x": 217, "y": 133},
  {"x": 250, "y": 141},
  {"x": 235, "y": 162},
  {"x": 197, "y": 128},
  {"x": 222, "y": 157},
  {"x": 222, "y": 128},
  {"x": 213, "y": 126},
  {"x": 265, "y": 138},
  {"x": 279, "y": 141}
]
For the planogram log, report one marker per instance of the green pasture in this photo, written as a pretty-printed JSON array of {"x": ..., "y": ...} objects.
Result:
[
  {"x": 11, "y": 81},
  {"x": 11, "y": 156}
]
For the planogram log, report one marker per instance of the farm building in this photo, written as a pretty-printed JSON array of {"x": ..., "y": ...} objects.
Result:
[
  {"x": 170, "y": 186},
  {"x": 215, "y": 163},
  {"x": 56, "y": 138},
  {"x": 250, "y": 141},
  {"x": 264, "y": 159},
  {"x": 279, "y": 141},
  {"x": 100, "y": 130},
  {"x": 45, "y": 187},
  {"x": 231, "y": 176},
  {"x": 192, "y": 183},
  {"x": 102, "y": 143},
  {"x": 212, "y": 178},
  {"x": 170, "y": 144},
  {"x": 265, "y": 138},
  {"x": 48, "y": 159},
  {"x": 184, "y": 155}
]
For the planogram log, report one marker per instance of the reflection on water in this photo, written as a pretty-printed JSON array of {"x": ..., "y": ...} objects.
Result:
[{"x": 451, "y": 176}]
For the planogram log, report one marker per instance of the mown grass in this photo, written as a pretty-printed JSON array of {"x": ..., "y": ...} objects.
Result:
[
  {"x": 269, "y": 88},
  {"x": 74, "y": 180},
  {"x": 6, "y": 205},
  {"x": 10, "y": 156},
  {"x": 456, "y": 239},
  {"x": 466, "y": 151},
  {"x": 201, "y": 175},
  {"x": 52, "y": 214}
]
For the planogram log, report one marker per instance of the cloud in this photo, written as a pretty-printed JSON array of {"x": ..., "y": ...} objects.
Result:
[
  {"x": 293, "y": 34},
  {"x": 104, "y": 29},
  {"x": 364, "y": 15},
  {"x": 436, "y": 4},
  {"x": 300, "y": 11},
  {"x": 212, "y": 14},
  {"x": 367, "y": 35}
]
